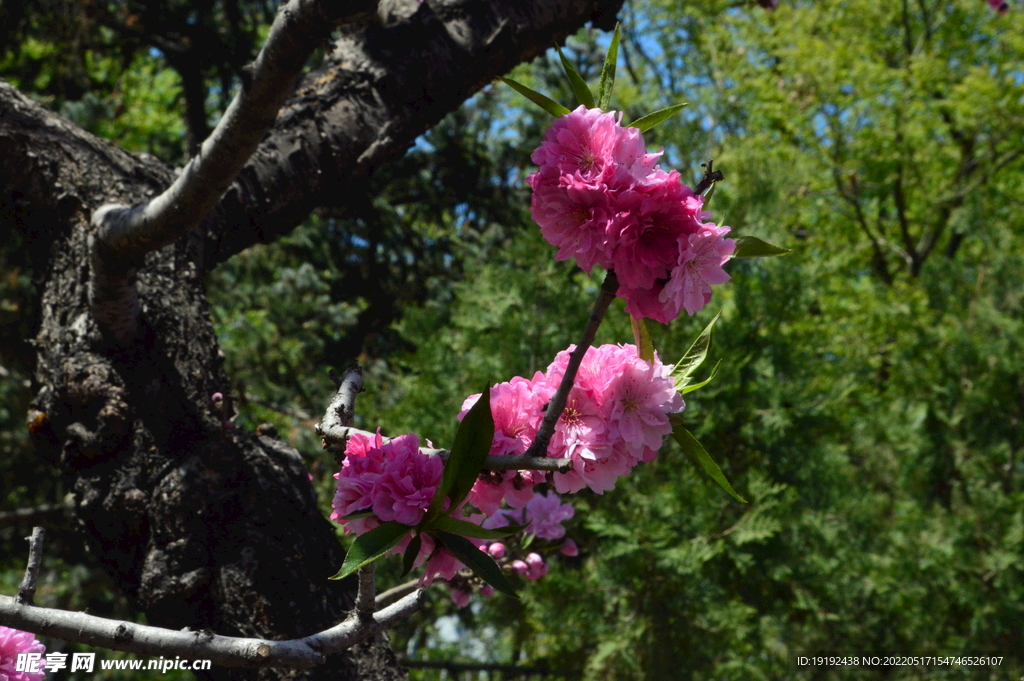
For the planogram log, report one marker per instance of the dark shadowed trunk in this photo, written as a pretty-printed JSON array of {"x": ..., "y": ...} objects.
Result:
[{"x": 207, "y": 526}]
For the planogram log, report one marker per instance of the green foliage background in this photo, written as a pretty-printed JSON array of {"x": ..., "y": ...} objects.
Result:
[{"x": 870, "y": 399}]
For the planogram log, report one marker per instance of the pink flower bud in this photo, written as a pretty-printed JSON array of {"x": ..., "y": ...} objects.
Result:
[
  {"x": 217, "y": 398},
  {"x": 487, "y": 590},
  {"x": 569, "y": 548},
  {"x": 520, "y": 568},
  {"x": 496, "y": 550},
  {"x": 534, "y": 560}
]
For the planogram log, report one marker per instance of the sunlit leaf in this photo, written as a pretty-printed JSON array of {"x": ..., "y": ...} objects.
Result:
[
  {"x": 579, "y": 86},
  {"x": 682, "y": 373},
  {"x": 752, "y": 247},
  {"x": 645, "y": 123},
  {"x": 604, "y": 93},
  {"x": 546, "y": 103},
  {"x": 371, "y": 546}
]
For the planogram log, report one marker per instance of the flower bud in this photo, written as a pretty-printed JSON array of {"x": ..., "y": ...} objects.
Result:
[
  {"x": 520, "y": 568},
  {"x": 569, "y": 548},
  {"x": 496, "y": 550}
]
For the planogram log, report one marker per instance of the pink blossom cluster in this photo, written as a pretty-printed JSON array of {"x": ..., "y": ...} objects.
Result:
[
  {"x": 12, "y": 643},
  {"x": 599, "y": 197},
  {"x": 1000, "y": 6},
  {"x": 616, "y": 415},
  {"x": 394, "y": 480}
]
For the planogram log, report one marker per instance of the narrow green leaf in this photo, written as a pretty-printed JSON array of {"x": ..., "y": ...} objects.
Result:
[
  {"x": 642, "y": 337},
  {"x": 752, "y": 247},
  {"x": 468, "y": 529},
  {"x": 469, "y": 449},
  {"x": 525, "y": 544},
  {"x": 604, "y": 93},
  {"x": 546, "y": 103},
  {"x": 645, "y": 123},
  {"x": 482, "y": 565},
  {"x": 691, "y": 388},
  {"x": 411, "y": 552},
  {"x": 697, "y": 452},
  {"x": 371, "y": 546},
  {"x": 579, "y": 86},
  {"x": 682, "y": 373},
  {"x": 707, "y": 197}
]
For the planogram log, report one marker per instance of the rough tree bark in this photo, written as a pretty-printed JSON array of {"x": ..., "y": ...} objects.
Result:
[{"x": 205, "y": 526}]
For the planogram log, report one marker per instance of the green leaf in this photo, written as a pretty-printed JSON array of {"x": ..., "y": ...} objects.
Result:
[
  {"x": 579, "y": 86},
  {"x": 546, "y": 103},
  {"x": 604, "y": 93},
  {"x": 752, "y": 247},
  {"x": 468, "y": 529},
  {"x": 682, "y": 373},
  {"x": 691, "y": 388},
  {"x": 411, "y": 551},
  {"x": 371, "y": 546},
  {"x": 697, "y": 452},
  {"x": 471, "y": 445},
  {"x": 482, "y": 565},
  {"x": 642, "y": 337},
  {"x": 645, "y": 123},
  {"x": 707, "y": 198}
]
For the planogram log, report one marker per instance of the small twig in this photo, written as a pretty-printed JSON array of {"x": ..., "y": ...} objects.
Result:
[
  {"x": 27, "y": 590},
  {"x": 393, "y": 594},
  {"x": 503, "y": 462},
  {"x": 557, "y": 404},
  {"x": 341, "y": 411},
  {"x": 365, "y": 604},
  {"x": 710, "y": 177}
]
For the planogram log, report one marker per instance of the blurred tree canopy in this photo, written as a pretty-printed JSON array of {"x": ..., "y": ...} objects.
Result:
[{"x": 870, "y": 399}]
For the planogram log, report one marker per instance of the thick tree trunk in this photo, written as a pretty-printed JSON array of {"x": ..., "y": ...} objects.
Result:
[{"x": 206, "y": 526}]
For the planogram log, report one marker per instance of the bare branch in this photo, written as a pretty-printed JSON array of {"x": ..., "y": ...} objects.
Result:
[
  {"x": 27, "y": 590},
  {"x": 710, "y": 177},
  {"x": 44, "y": 513},
  {"x": 396, "y": 593},
  {"x": 225, "y": 651},
  {"x": 365, "y": 604},
  {"x": 557, "y": 403},
  {"x": 124, "y": 235},
  {"x": 340, "y": 412}
]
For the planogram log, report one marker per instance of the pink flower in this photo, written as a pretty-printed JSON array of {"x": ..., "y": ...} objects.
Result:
[
  {"x": 643, "y": 237},
  {"x": 640, "y": 398},
  {"x": 546, "y": 513},
  {"x": 442, "y": 564},
  {"x": 12, "y": 643},
  {"x": 535, "y": 566},
  {"x": 461, "y": 597},
  {"x": 496, "y": 550},
  {"x": 358, "y": 476},
  {"x": 569, "y": 548},
  {"x": 407, "y": 481},
  {"x": 699, "y": 266}
]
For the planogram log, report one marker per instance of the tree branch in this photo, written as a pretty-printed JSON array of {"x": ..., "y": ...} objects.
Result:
[
  {"x": 27, "y": 590},
  {"x": 124, "y": 235},
  {"x": 341, "y": 411},
  {"x": 539, "y": 447},
  {"x": 337, "y": 437},
  {"x": 225, "y": 651},
  {"x": 44, "y": 513}
]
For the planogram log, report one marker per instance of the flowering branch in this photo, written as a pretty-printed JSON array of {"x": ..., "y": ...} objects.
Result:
[
  {"x": 557, "y": 403},
  {"x": 225, "y": 651},
  {"x": 338, "y": 435},
  {"x": 396, "y": 593},
  {"x": 27, "y": 590}
]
